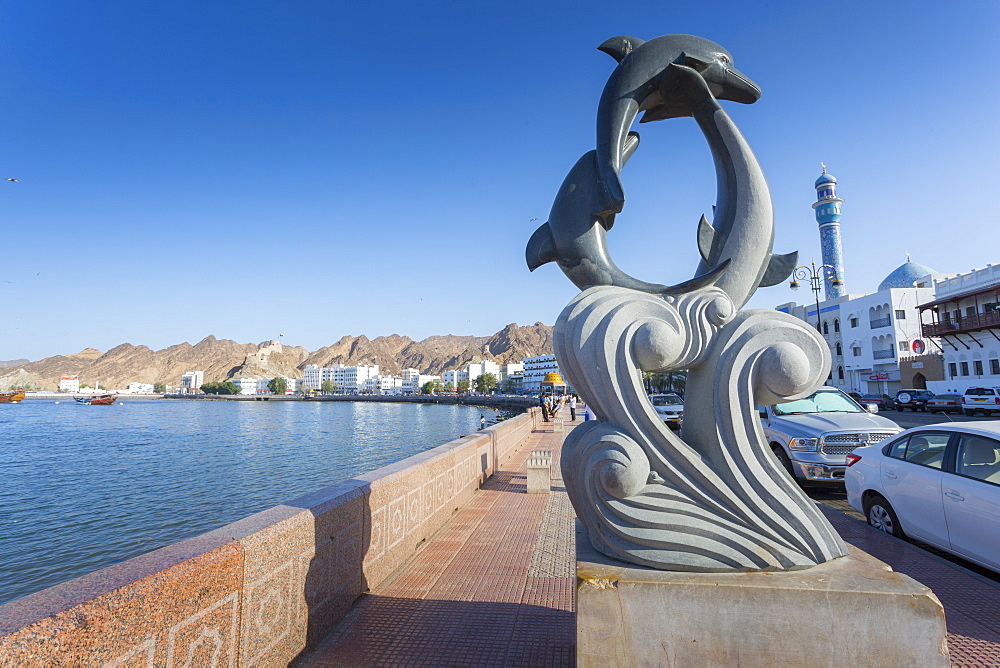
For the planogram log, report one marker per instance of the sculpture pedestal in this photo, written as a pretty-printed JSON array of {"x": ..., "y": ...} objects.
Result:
[{"x": 851, "y": 611}]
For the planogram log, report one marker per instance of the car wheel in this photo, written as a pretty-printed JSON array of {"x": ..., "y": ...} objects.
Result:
[
  {"x": 933, "y": 412},
  {"x": 881, "y": 516},
  {"x": 967, "y": 413},
  {"x": 783, "y": 459}
]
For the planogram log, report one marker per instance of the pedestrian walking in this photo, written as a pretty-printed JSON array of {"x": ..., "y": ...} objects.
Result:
[
  {"x": 572, "y": 407},
  {"x": 544, "y": 406},
  {"x": 482, "y": 422}
]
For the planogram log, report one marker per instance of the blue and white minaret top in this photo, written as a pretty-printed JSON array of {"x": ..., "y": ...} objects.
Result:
[
  {"x": 827, "y": 208},
  {"x": 827, "y": 204}
]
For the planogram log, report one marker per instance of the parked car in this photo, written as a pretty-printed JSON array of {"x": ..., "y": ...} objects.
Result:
[
  {"x": 945, "y": 403},
  {"x": 855, "y": 395},
  {"x": 939, "y": 484},
  {"x": 915, "y": 400},
  {"x": 883, "y": 401},
  {"x": 670, "y": 408},
  {"x": 982, "y": 400},
  {"x": 811, "y": 437}
]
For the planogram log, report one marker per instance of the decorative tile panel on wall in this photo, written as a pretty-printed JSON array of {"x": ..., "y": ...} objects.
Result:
[
  {"x": 207, "y": 638},
  {"x": 187, "y": 610}
]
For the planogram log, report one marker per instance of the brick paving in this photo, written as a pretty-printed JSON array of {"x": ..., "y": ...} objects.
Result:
[
  {"x": 971, "y": 602},
  {"x": 495, "y": 586}
]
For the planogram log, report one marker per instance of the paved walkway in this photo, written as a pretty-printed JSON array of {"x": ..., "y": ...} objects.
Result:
[
  {"x": 495, "y": 587},
  {"x": 971, "y": 602}
]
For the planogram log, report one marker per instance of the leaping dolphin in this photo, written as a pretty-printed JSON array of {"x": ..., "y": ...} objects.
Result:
[
  {"x": 641, "y": 83},
  {"x": 575, "y": 237},
  {"x": 743, "y": 232},
  {"x": 736, "y": 252}
]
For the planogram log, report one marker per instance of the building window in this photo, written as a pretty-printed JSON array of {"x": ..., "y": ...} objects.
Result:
[
  {"x": 840, "y": 373},
  {"x": 836, "y": 324},
  {"x": 854, "y": 321},
  {"x": 826, "y": 328},
  {"x": 965, "y": 368},
  {"x": 904, "y": 346},
  {"x": 900, "y": 315},
  {"x": 840, "y": 349},
  {"x": 952, "y": 369},
  {"x": 995, "y": 367},
  {"x": 856, "y": 351},
  {"x": 970, "y": 310},
  {"x": 977, "y": 366}
]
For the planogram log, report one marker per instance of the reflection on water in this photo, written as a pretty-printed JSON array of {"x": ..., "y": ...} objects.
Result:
[{"x": 84, "y": 486}]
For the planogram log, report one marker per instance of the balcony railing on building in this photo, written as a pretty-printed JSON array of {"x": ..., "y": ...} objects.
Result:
[
  {"x": 881, "y": 322},
  {"x": 968, "y": 323},
  {"x": 884, "y": 354}
]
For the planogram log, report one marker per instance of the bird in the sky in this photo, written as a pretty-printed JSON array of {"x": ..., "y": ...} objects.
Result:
[{"x": 13, "y": 179}]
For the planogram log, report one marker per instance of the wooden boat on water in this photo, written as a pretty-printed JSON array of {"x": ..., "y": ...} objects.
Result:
[
  {"x": 11, "y": 397},
  {"x": 99, "y": 400}
]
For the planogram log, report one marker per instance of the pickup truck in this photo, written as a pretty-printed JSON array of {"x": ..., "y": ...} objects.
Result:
[{"x": 812, "y": 437}]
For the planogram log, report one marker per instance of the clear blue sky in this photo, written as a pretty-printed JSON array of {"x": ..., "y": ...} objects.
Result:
[{"x": 318, "y": 168}]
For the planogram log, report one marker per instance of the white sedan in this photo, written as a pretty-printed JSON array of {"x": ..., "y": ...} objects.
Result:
[{"x": 939, "y": 484}]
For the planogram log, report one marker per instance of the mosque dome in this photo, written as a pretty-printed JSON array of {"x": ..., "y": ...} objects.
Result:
[
  {"x": 905, "y": 275},
  {"x": 825, "y": 178},
  {"x": 552, "y": 377}
]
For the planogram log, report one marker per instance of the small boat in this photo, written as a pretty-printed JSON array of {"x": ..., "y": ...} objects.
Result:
[
  {"x": 100, "y": 400},
  {"x": 15, "y": 397}
]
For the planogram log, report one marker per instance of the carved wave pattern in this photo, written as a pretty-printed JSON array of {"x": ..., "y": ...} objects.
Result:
[{"x": 716, "y": 500}]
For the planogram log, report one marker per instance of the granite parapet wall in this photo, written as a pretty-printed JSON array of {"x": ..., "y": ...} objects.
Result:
[{"x": 263, "y": 589}]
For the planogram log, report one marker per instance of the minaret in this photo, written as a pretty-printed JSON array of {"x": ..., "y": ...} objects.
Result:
[{"x": 827, "y": 208}]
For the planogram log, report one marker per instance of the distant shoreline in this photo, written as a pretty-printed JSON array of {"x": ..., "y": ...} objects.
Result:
[{"x": 491, "y": 401}]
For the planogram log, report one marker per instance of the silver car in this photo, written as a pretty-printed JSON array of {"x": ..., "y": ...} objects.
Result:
[{"x": 670, "y": 408}]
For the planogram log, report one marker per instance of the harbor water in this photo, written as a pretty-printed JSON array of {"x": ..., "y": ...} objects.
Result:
[{"x": 83, "y": 487}]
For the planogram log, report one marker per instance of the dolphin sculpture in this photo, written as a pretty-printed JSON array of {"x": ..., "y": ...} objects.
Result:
[
  {"x": 641, "y": 83},
  {"x": 575, "y": 234},
  {"x": 742, "y": 236},
  {"x": 575, "y": 238}
]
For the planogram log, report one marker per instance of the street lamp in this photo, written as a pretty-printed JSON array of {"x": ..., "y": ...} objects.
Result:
[{"x": 815, "y": 276}]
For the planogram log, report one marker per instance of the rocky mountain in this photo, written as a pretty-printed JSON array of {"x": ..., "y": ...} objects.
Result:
[
  {"x": 222, "y": 359},
  {"x": 12, "y": 363}
]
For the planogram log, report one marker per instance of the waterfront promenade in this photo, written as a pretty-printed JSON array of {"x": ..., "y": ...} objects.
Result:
[{"x": 495, "y": 587}]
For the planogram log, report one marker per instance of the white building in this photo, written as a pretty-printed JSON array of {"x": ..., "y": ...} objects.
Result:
[
  {"x": 424, "y": 379},
  {"x": 511, "y": 377},
  {"x": 875, "y": 340},
  {"x": 477, "y": 369},
  {"x": 410, "y": 379},
  {"x": 139, "y": 388},
  {"x": 964, "y": 327},
  {"x": 69, "y": 383},
  {"x": 535, "y": 370},
  {"x": 292, "y": 385},
  {"x": 512, "y": 369},
  {"x": 312, "y": 377},
  {"x": 192, "y": 381},
  {"x": 450, "y": 379},
  {"x": 247, "y": 385},
  {"x": 349, "y": 379}
]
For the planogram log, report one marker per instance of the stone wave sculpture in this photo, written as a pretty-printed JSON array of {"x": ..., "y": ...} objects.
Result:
[{"x": 714, "y": 498}]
